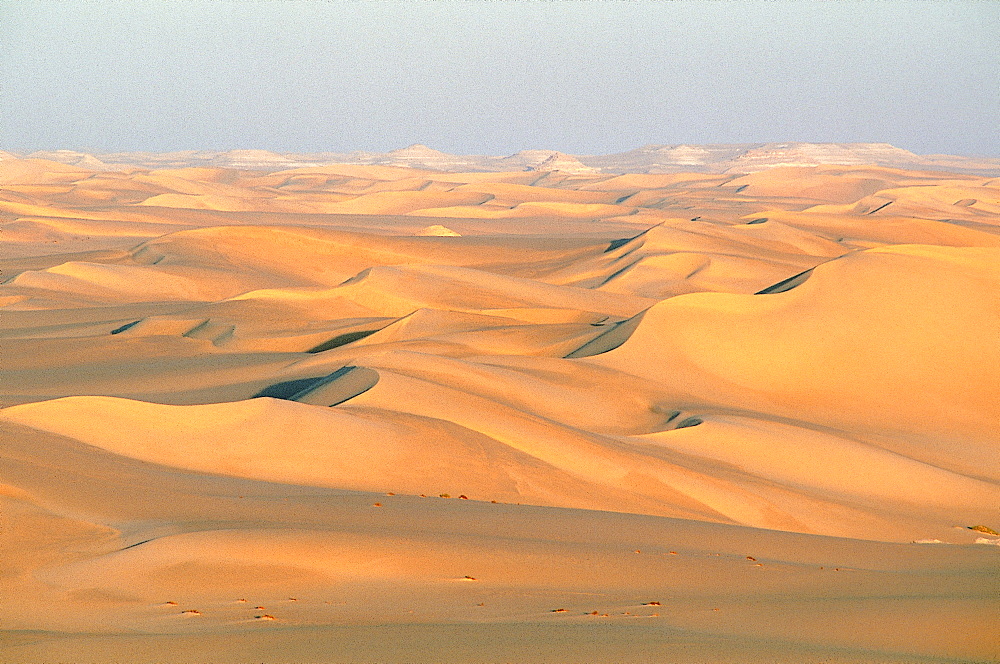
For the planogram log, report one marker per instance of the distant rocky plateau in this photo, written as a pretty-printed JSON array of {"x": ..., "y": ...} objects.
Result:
[{"x": 714, "y": 158}]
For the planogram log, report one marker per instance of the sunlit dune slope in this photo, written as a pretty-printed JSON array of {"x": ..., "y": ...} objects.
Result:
[
  {"x": 315, "y": 414},
  {"x": 877, "y": 341},
  {"x": 348, "y": 562}
]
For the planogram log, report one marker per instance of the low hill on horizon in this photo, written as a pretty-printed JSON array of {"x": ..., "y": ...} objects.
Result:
[{"x": 703, "y": 158}]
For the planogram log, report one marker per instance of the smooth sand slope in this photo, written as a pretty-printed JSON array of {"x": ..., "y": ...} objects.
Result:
[{"x": 371, "y": 413}]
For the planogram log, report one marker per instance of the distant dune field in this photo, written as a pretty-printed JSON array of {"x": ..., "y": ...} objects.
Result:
[{"x": 366, "y": 412}]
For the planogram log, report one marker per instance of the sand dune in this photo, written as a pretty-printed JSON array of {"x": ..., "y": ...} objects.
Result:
[
  {"x": 367, "y": 412},
  {"x": 873, "y": 342}
]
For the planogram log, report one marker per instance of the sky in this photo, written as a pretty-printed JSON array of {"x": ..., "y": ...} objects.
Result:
[{"x": 478, "y": 77}]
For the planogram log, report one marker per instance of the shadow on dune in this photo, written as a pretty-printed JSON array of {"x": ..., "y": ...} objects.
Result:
[
  {"x": 341, "y": 340},
  {"x": 344, "y": 383},
  {"x": 613, "y": 338},
  {"x": 786, "y": 284},
  {"x": 126, "y": 326}
]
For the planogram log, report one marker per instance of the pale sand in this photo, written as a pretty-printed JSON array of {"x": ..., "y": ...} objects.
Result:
[{"x": 526, "y": 416}]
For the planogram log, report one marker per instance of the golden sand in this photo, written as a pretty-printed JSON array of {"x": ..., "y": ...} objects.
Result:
[{"x": 372, "y": 413}]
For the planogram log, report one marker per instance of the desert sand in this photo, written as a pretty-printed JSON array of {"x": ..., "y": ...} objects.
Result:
[{"x": 364, "y": 412}]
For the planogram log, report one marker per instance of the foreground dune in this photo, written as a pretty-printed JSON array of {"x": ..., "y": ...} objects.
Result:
[{"x": 371, "y": 413}]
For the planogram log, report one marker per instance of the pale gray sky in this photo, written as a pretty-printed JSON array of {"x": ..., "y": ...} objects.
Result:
[{"x": 496, "y": 77}]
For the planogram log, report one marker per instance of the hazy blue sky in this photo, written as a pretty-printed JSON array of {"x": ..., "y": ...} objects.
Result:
[{"x": 496, "y": 77}]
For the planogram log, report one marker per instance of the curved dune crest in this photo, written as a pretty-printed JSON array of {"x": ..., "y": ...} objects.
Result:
[
  {"x": 128, "y": 283},
  {"x": 836, "y": 464},
  {"x": 286, "y": 441},
  {"x": 200, "y": 202},
  {"x": 399, "y": 290},
  {"x": 359, "y": 448}
]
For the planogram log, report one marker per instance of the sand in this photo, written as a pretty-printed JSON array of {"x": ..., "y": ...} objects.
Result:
[{"x": 353, "y": 413}]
